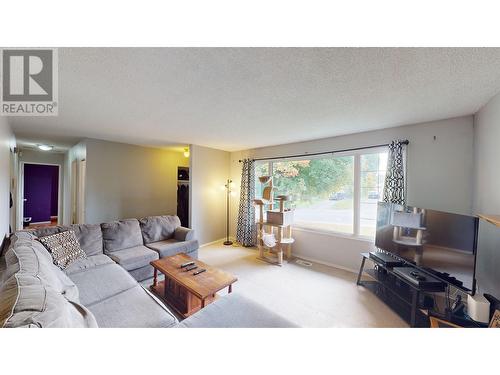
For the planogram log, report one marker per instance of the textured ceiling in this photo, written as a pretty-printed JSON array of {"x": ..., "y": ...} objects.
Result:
[{"x": 239, "y": 98}]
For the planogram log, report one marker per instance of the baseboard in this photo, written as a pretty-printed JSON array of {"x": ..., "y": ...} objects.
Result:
[
  {"x": 40, "y": 222},
  {"x": 215, "y": 242},
  {"x": 326, "y": 263},
  {"x": 219, "y": 241}
]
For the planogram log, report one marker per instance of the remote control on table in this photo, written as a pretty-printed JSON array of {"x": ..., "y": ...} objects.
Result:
[
  {"x": 199, "y": 271},
  {"x": 190, "y": 268},
  {"x": 184, "y": 265}
]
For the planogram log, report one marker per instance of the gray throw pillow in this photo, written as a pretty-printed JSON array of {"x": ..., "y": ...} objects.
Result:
[{"x": 63, "y": 247}]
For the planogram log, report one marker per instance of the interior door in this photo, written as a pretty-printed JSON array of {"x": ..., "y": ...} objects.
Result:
[{"x": 41, "y": 185}]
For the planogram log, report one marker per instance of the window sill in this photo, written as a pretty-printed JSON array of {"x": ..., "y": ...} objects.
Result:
[{"x": 334, "y": 234}]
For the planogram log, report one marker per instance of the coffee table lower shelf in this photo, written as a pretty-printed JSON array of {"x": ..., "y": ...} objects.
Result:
[{"x": 183, "y": 301}]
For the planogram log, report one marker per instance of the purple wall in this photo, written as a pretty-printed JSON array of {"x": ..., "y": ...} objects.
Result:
[{"x": 41, "y": 185}]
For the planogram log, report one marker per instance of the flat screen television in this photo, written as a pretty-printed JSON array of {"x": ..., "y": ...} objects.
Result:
[
  {"x": 441, "y": 243},
  {"x": 488, "y": 259}
]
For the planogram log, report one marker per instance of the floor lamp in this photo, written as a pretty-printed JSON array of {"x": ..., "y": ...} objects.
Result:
[{"x": 228, "y": 186}]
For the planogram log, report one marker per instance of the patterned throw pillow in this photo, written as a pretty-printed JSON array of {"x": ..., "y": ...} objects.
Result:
[{"x": 64, "y": 248}]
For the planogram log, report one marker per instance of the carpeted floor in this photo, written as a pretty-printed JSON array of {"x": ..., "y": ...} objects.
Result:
[{"x": 316, "y": 296}]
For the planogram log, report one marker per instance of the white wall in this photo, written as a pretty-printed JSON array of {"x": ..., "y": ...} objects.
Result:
[
  {"x": 77, "y": 152},
  {"x": 209, "y": 172},
  {"x": 7, "y": 143},
  {"x": 486, "y": 181},
  {"x": 486, "y": 158},
  {"x": 440, "y": 173},
  {"x": 124, "y": 181},
  {"x": 32, "y": 156}
]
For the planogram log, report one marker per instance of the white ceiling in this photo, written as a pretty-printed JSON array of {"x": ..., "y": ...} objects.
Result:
[
  {"x": 240, "y": 98},
  {"x": 31, "y": 140}
]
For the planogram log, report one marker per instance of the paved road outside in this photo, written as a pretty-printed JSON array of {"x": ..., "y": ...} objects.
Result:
[{"x": 328, "y": 212}]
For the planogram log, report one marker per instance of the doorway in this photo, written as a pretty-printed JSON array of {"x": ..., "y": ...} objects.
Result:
[
  {"x": 40, "y": 195},
  {"x": 183, "y": 195},
  {"x": 78, "y": 168}
]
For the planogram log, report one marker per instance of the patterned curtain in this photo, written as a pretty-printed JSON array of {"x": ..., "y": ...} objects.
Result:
[
  {"x": 246, "y": 233},
  {"x": 395, "y": 178}
]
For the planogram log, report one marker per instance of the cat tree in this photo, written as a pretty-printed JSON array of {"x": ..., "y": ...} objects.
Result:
[
  {"x": 409, "y": 221},
  {"x": 274, "y": 237}
]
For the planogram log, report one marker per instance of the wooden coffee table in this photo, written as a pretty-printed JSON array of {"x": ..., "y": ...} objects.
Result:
[{"x": 184, "y": 291}]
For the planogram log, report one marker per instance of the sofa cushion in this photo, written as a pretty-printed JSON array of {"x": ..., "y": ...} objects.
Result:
[
  {"x": 122, "y": 234},
  {"x": 235, "y": 311},
  {"x": 31, "y": 258},
  {"x": 133, "y": 308},
  {"x": 135, "y": 257},
  {"x": 99, "y": 283},
  {"x": 27, "y": 302},
  {"x": 63, "y": 247},
  {"x": 11, "y": 257},
  {"x": 158, "y": 228},
  {"x": 47, "y": 231},
  {"x": 21, "y": 235},
  {"x": 143, "y": 273},
  {"x": 183, "y": 234},
  {"x": 171, "y": 247},
  {"x": 37, "y": 293},
  {"x": 89, "y": 237},
  {"x": 93, "y": 261}
]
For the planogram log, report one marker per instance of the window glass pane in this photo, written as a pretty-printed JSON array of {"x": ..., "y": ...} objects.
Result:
[
  {"x": 322, "y": 191},
  {"x": 372, "y": 177},
  {"x": 261, "y": 169}
]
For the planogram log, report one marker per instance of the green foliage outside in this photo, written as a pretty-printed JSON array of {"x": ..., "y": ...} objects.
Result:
[{"x": 311, "y": 180}]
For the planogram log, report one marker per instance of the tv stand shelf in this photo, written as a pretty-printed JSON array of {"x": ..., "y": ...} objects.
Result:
[{"x": 398, "y": 293}]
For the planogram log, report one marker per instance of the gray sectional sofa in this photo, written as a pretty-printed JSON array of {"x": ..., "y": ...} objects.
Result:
[
  {"x": 133, "y": 243},
  {"x": 102, "y": 290}
]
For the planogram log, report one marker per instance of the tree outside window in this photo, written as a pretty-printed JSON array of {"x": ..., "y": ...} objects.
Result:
[{"x": 326, "y": 195}]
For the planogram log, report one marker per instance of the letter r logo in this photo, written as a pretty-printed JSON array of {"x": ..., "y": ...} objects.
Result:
[{"x": 27, "y": 75}]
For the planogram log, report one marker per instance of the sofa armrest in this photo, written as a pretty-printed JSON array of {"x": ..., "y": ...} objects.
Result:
[{"x": 184, "y": 234}]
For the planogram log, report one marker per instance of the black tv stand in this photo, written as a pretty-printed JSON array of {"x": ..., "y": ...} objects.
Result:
[{"x": 398, "y": 292}]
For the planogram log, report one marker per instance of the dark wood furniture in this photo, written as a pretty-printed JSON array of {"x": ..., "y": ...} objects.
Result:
[
  {"x": 452, "y": 321},
  {"x": 440, "y": 323},
  {"x": 493, "y": 219},
  {"x": 185, "y": 292},
  {"x": 398, "y": 293}
]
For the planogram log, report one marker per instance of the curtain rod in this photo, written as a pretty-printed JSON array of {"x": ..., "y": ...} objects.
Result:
[{"x": 405, "y": 142}]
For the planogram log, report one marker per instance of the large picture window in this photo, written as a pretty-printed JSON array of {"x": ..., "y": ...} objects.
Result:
[
  {"x": 331, "y": 193},
  {"x": 372, "y": 176}
]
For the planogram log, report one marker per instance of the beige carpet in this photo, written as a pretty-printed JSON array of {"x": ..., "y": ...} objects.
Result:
[{"x": 317, "y": 296}]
